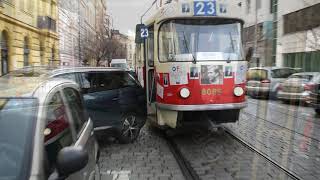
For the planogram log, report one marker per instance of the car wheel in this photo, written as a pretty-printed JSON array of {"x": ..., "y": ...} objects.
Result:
[
  {"x": 130, "y": 128},
  {"x": 317, "y": 111}
]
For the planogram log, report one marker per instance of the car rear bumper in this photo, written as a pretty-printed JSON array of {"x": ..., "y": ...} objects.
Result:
[
  {"x": 258, "y": 91},
  {"x": 313, "y": 102},
  {"x": 293, "y": 96}
]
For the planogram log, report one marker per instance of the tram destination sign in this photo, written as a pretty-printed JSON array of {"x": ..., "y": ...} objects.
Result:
[
  {"x": 142, "y": 33},
  {"x": 205, "y": 8}
]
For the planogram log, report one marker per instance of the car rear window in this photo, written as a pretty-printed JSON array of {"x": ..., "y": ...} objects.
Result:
[
  {"x": 300, "y": 76},
  {"x": 282, "y": 73},
  {"x": 257, "y": 74}
]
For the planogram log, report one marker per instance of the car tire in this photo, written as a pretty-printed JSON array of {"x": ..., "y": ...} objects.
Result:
[{"x": 130, "y": 130}]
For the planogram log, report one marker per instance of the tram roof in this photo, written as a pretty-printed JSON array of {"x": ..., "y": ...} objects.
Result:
[{"x": 186, "y": 9}]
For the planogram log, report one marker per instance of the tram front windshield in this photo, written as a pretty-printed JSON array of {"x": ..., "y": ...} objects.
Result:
[{"x": 200, "y": 40}]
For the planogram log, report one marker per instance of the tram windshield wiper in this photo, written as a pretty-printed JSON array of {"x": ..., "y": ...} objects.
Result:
[
  {"x": 232, "y": 46},
  {"x": 186, "y": 43}
]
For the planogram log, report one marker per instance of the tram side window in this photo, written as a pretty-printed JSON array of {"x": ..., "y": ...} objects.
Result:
[{"x": 150, "y": 47}]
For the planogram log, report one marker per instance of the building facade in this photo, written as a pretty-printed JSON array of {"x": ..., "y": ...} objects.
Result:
[
  {"x": 78, "y": 21},
  {"x": 298, "y": 34},
  {"x": 258, "y": 31},
  {"x": 287, "y": 34},
  {"x": 127, "y": 50},
  {"x": 28, "y": 33}
]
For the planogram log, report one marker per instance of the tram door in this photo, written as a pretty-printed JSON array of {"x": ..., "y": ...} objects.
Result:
[{"x": 150, "y": 84}]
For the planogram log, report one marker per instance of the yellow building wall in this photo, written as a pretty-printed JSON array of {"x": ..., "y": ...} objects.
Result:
[{"x": 19, "y": 19}]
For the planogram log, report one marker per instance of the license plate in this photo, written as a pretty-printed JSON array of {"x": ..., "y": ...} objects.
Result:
[{"x": 205, "y": 8}]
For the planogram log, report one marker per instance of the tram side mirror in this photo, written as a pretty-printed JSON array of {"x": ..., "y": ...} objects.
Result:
[{"x": 142, "y": 33}]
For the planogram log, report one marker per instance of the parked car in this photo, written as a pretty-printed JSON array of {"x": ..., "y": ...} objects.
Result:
[
  {"x": 297, "y": 87},
  {"x": 45, "y": 131},
  {"x": 264, "y": 81},
  {"x": 314, "y": 96},
  {"x": 115, "y": 100}
]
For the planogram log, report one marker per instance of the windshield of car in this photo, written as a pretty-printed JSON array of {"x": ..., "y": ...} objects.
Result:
[
  {"x": 204, "y": 40},
  {"x": 301, "y": 76},
  {"x": 120, "y": 65},
  {"x": 282, "y": 73},
  {"x": 257, "y": 74},
  {"x": 17, "y": 119}
]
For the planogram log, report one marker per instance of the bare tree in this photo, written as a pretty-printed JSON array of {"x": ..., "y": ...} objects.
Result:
[{"x": 101, "y": 46}]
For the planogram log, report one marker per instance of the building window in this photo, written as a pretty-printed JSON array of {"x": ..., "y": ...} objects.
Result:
[
  {"x": 52, "y": 56},
  {"x": 42, "y": 53},
  {"x": 26, "y": 52},
  {"x": 308, "y": 61},
  {"x": 273, "y": 6},
  {"x": 4, "y": 53},
  {"x": 302, "y": 20}
]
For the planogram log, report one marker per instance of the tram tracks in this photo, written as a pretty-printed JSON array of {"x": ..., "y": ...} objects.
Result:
[
  {"x": 252, "y": 148},
  {"x": 185, "y": 166},
  {"x": 216, "y": 155}
]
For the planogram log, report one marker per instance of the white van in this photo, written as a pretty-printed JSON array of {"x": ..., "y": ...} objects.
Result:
[{"x": 121, "y": 63}]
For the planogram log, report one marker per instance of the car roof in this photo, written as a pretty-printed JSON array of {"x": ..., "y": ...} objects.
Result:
[
  {"x": 85, "y": 69},
  {"x": 307, "y": 73},
  {"x": 49, "y": 71},
  {"x": 25, "y": 85},
  {"x": 23, "y": 82}
]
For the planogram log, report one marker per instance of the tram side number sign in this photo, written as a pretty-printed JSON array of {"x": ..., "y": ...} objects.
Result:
[
  {"x": 142, "y": 33},
  {"x": 205, "y": 8}
]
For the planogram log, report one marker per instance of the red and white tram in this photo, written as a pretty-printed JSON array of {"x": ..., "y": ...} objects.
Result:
[{"x": 192, "y": 63}]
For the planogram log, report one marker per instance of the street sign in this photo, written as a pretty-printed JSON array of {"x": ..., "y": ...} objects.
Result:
[{"x": 142, "y": 33}]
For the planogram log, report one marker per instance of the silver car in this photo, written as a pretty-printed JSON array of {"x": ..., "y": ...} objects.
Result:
[
  {"x": 297, "y": 87},
  {"x": 264, "y": 81},
  {"x": 45, "y": 132}
]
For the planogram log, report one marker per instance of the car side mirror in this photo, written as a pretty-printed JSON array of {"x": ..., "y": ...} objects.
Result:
[{"x": 71, "y": 160}]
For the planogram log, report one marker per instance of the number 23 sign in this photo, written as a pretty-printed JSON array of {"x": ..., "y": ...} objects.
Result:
[
  {"x": 205, "y": 8},
  {"x": 144, "y": 33}
]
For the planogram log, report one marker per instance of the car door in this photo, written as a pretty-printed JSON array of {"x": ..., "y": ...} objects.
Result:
[
  {"x": 131, "y": 95},
  {"x": 57, "y": 133},
  {"x": 82, "y": 132},
  {"x": 101, "y": 98}
]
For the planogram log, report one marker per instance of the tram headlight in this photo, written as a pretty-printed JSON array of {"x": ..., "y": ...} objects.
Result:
[
  {"x": 238, "y": 91},
  {"x": 184, "y": 93}
]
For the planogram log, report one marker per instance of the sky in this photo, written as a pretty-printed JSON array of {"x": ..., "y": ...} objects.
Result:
[{"x": 126, "y": 13}]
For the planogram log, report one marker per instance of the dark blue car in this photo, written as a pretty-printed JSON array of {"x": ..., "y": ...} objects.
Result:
[{"x": 114, "y": 98}]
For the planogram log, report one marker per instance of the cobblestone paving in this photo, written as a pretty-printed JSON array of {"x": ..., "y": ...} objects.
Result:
[
  {"x": 219, "y": 156},
  {"x": 289, "y": 136},
  {"x": 149, "y": 158}
]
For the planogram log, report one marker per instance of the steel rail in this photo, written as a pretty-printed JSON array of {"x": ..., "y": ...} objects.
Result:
[
  {"x": 253, "y": 149},
  {"x": 188, "y": 172}
]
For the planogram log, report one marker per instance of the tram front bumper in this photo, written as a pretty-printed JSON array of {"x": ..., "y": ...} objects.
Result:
[{"x": 204, "y": 107}]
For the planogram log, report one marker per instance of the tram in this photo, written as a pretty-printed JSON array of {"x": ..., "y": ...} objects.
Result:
[{"x": 190, "y": 60}]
